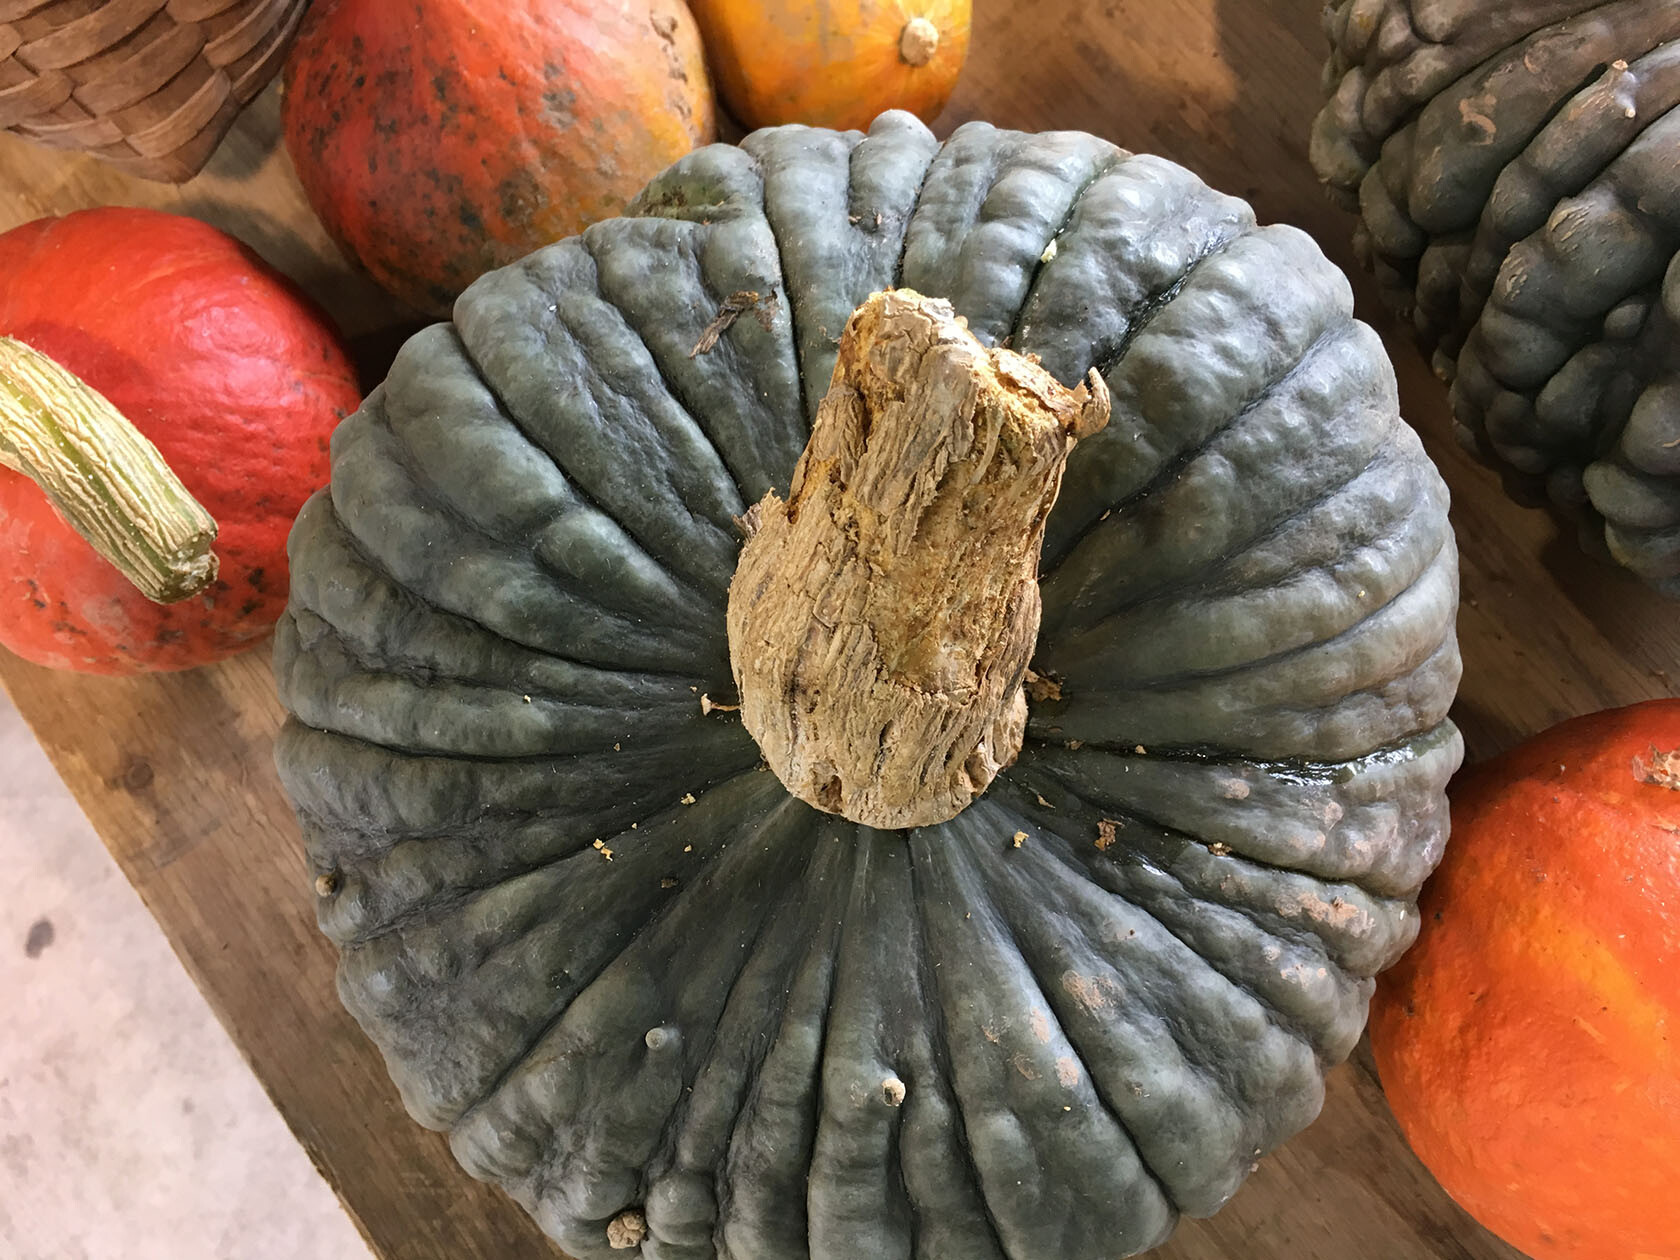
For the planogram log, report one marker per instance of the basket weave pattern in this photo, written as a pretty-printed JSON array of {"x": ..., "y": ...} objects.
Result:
[{"x": 148, "y": 85}]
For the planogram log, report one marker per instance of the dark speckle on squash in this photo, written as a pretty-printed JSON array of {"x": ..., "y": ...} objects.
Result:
[{"x": 40, "y": 936}]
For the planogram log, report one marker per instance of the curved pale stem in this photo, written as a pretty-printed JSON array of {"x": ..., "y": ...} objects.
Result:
[{"x": 105, "y": 479}]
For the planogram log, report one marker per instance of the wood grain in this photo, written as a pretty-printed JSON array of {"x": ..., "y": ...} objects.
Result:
[{"x": 175, "y": 771}]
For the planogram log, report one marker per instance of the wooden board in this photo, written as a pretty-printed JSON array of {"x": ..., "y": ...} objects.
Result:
[{"x": 175, "y": 771}]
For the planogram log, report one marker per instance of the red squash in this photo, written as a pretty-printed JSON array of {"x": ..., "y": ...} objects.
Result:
[
  {"x": 439, "y": 139},
  {"x": 231, "y": 373},
  {"x": 1529, "y": 1044}
]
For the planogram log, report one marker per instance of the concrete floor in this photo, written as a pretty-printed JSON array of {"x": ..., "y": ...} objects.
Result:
[{"x": 130, "y": 1128}]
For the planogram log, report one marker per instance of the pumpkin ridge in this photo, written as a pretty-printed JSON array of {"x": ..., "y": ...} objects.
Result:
[
  {"x": 815, "y": 970},
  {"x": 1047, "y": 991},
  {"x": 521, "y": 724},
  {"x": 782, "y": 1056},
  {"x": 1079, "y": 997},
  {"x": 384, "y": 652},
  {"x": 582, "y": 416},
  {"x": 358, "y": 862},
  {"x": 1083, "y": 856},
  {"x": 683, "y": 404},
  {"x": 994, "y": 1076},
  {"x": 1502, "y": 224},
  {"x": 1045, "y": 258},
  {"x": 416, "y": 669},
  {"x": 904, "y": 245},
  {"x": 682, "y": 641},
  {"x": 940, "y": 1055},
  {"x": 1171, "y": 469},
  {"x": 808, "y": 400},
  {"x": 408, "y": 376},
  {"x": 863, "y": 1028},
  {"x": 1286, "y": 647},
  {"x": 1167, "y": 405},
  {"x": 1080, "y": 608},
  {"x": 1246, "y": 804},
  {"x": 486, "y": 1093},
  {"x": 1165, "y": 217},
  {"x": 978, "y": 236},
  {"x": 830, "y": 264},
  {"x": 1219, "y": 850},
  {"x": 552, "y": 1160},
  {"x": 1145, "y": 315},
  {"x": 1110, "y": 876},
  {"x": 699, "y": 243}
]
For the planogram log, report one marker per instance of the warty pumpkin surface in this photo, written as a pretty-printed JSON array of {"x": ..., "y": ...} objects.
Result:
[
  {"x": 1516, "y": 169},
  {"x": 665, "y": 1004}
]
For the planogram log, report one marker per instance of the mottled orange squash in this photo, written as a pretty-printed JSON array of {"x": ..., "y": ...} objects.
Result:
[
  {"x": 833, "y": 63},
  {"x": 439, "y": 139},
  {"x": 1529, "y": 1044}
]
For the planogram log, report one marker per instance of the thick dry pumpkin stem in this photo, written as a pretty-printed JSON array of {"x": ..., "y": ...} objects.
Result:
[
  {"x": 882, "y": 620},
  {"x": 105, "y": 479}
]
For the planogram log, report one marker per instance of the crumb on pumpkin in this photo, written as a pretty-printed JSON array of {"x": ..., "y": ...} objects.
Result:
[
  {"x": 626, "y": 1230},
  {"x": 1662, "y": 769},
  {"x": 1042, "y": 687}
]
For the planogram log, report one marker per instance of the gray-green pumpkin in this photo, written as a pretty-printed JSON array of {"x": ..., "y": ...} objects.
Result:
[
  {"x": 667, "y": 1005},
  {"x": 1516, "y": 168}
]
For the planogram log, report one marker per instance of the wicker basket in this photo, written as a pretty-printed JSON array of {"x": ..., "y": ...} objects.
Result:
[{"x": 148, "y": 85}]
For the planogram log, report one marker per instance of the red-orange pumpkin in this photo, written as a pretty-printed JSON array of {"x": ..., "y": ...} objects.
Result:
[
  {"x": 232, "y": 374},
  {"x": 438, "y": 139},
  {"x": 1530, "y": 1043}
]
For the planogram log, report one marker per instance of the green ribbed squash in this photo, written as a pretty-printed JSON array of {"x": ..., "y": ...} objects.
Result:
[
  {"x": 1516, "y": 168},
  {"x": 678, "y": 1013}
]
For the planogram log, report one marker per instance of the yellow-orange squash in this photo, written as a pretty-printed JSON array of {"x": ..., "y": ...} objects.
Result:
[
  {"x": 1530, "y": 1043},
  {"x": 833, "y": 63}
]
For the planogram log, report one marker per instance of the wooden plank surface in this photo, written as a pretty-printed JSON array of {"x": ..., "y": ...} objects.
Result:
[{"x": 175, "y": 771}]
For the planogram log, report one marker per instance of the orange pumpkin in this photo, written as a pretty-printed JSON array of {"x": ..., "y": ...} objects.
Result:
[
  {"x": 833, "y": 63},
  {"x": 439, "y": 139},
  {"x": 1529, "y": 1044}
]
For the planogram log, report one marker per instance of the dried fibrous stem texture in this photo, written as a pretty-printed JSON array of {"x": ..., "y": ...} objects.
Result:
[{"x": 882, "y": 619}]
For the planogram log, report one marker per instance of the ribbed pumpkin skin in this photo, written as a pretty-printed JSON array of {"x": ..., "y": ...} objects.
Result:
[
  {"x": 233, "y": 375},
  {"x": 438, "y": 139},
  {"x": 829, "y": 63},
  {"x": 1530, "y": 1044},
  {"x": 1516, "y": 167},
  {"x": 608, "y": 952}
]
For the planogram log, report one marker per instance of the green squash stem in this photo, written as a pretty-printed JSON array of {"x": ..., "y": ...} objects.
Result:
[{"x": 103, "y": 476}]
